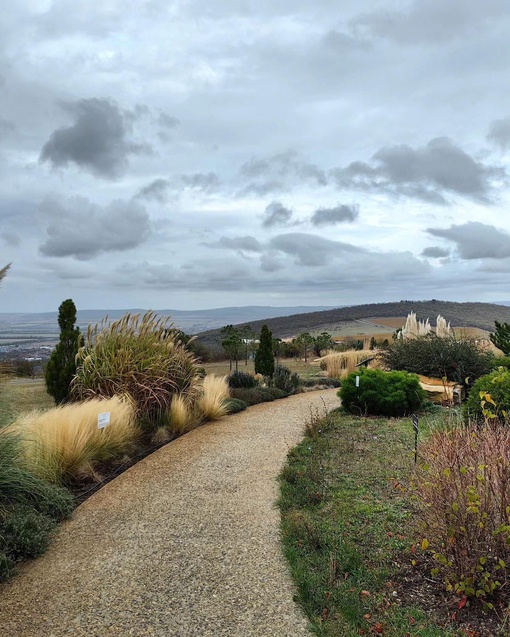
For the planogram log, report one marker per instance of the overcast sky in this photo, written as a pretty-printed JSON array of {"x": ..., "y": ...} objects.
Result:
[{"x": 193, "y": 154}]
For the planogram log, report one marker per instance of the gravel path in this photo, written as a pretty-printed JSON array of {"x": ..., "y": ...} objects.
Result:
[{"x": 185, "y": 543}]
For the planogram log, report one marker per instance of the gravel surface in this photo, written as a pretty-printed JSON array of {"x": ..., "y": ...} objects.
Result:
[{"x": 185, "y": 543}]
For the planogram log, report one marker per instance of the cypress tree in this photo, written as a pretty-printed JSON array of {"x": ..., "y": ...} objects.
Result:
[
  {"x": 61, "y": 367},
  {"x": 264, "y": 359}
]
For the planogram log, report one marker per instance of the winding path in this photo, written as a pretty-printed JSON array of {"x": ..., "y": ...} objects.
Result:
[{"x": 183, "y": 544}]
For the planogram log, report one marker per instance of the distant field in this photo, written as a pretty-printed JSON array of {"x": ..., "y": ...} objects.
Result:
[
  {"x": 393, "y": 322},
  {"x": 295, "y": 365},
  {"x": 19, "y": 396}
]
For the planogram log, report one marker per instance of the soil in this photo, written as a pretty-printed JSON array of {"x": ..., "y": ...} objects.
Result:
[{"x": 415, "y": 586}]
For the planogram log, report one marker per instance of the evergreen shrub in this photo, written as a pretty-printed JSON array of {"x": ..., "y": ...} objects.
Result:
[{"x": 381, "y": 393}]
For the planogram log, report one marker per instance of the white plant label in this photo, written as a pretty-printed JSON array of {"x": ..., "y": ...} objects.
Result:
[
  {"x": 103, "y": 420},
  {"x": 357, "y": 381}
]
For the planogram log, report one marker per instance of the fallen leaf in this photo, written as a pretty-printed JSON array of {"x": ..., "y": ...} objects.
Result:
[
  {"x": 365, "y": 593},
  {"x": 463, "y": 602}
]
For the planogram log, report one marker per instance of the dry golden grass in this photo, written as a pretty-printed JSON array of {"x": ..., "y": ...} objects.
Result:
[
  {"x": 64, "y": 443},
  {"x": 180, "y": 415},
  {"x": 211, "y": 401},
  {"x": 339, "y": 364}
]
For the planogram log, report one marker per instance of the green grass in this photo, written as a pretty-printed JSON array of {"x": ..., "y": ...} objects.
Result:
[{"x": 346, "y": 523}]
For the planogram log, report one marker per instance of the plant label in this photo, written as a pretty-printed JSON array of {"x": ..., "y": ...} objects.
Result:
[
  {"x": 103, "y": 420},
  {"x": 415, "y": 423},
  {"x": 357, "y": 381}
]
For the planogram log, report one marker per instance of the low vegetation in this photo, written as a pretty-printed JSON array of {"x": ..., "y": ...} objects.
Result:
[
  {"x": 379, "y": 546},
  {"x": 140, "y": 357},
  {"x": 64, "y": 444},
  {"x": 374, "y": 392},
  {"x": 489, "y": 397},
  {"x": 461, "y": 360}
]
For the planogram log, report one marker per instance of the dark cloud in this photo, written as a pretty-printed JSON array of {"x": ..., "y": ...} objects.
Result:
[
  {"x": 423, "y": 173},
  {"x": 338, "y": 214},
  {"x": 81, "y": 229},
  {"x": 276, "y": 214},
  {"x": 499, "y": 133},
  {"x": 311, "y": 250},
  {"x": 436, "y": 252},
  {"x": 247, "y": 243},
  {"x": 475, "y": 240},
  {"x": 97, "y": 141}
]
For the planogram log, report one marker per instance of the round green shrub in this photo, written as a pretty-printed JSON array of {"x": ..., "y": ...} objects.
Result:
[
  {"x": 242, "y": 380},
  {"x": 381, "y": 393},
  {"x": 235, "y": 405},
  {"x": 497, "y": 384},
  {"x": 25, "y": 532}
]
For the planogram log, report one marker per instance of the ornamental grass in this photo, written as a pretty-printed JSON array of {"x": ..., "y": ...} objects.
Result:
[
  {"x": 64, "y": 444},
  {"x": 138, "y": 356}
]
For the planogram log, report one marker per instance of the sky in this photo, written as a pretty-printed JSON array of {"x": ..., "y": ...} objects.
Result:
[{"x": 192, "y": 154}]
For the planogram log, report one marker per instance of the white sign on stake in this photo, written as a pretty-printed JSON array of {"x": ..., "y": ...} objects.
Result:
[
  {"x": 357, "y": 381},
  {"x": 103, "y": 420}
]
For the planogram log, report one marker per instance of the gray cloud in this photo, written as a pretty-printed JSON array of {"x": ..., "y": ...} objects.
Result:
[
  {"x": 81, "y": 229},
  {"x": 97, "y": 141},
  {"x": 276, "y": 214},
  {"x": 311, "y": 250},
  {"x": 167, "y": 121},
  {"x": 156, "y": 190},
  {"x": 475, "y": 240},
  {"x": 159, "y": 189},
  {"x": 424, "y": 173},
  {"x": 338, "y": 214},
  {"x": 11, "y": 238},
  {"x": 499, "y": 133},
  {"x": 432, "y": 21},
  {"x": 279, "y": 172},
  {"x": 436, "y": 252},
  {"x": 247, "y": 243}
]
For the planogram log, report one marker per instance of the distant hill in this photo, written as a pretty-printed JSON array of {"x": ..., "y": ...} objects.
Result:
[{"x": 480, "y": 315}]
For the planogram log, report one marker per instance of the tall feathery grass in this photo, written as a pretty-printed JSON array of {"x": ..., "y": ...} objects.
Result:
[
  {"x": 340, "y": 364},
  {"x": 214, "y": 392},
  {"x": 180, "y": 416},
  {"x": 65, "y": 444},
  {"x": 142, "y": 357}
]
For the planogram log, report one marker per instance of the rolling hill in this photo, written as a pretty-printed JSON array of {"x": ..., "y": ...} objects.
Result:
[{"x": 480, "y": 315}]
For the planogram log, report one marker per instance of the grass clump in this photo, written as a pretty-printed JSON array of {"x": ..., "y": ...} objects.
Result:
[
  {"x": 211, "y": 400},
  {"x": 141, "y": 357},
  {"x": 180, "y": 417},
  {"x": 374, "y": 392},
  {"x": 64, "y": 444},
  {"x": 234, "y": 405}
]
